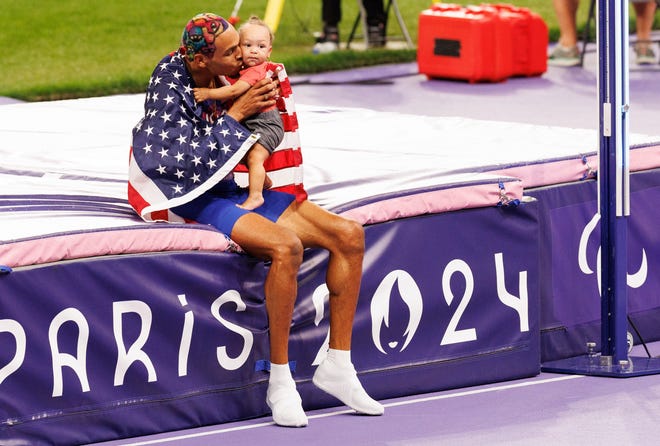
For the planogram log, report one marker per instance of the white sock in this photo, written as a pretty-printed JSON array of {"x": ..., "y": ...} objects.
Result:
[
  {"x": 340, "y": 357},
  {"x": 280, "y": 373},
  {"x": 336, "y": 376},
  {"x": 283, "y": 398}
]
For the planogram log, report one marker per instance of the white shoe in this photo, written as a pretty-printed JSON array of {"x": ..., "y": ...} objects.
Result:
[
  {"x": 343, "y": 384},
  {"x": 286, "y": 405},
  {"x": 325, "y": 47}
]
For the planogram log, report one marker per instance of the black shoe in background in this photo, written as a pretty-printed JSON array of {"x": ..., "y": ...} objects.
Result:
[{"x": 376, "y": 35}]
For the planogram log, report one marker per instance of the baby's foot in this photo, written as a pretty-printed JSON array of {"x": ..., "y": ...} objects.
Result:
[{"x": 252, "y": 202}]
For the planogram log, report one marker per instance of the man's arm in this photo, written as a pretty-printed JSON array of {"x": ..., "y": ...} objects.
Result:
[{"x": 260, "y": 96}]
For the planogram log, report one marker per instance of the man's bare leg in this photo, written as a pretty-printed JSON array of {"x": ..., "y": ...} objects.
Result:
[
  {"x": 344, "y": 239},
  {"x": 264, "y": 239}
]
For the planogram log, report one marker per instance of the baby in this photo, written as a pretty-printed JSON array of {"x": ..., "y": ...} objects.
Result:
[{"x": 256, "y": 41}]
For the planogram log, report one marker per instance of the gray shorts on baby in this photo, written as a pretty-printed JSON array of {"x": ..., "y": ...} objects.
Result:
[{"x": 269, "y": 126}]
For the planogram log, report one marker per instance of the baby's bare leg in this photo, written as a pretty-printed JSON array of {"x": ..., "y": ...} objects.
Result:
[{"x": 256, "y": 177}]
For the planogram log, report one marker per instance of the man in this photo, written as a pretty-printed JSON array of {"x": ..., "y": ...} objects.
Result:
[{"x": 182, "y": 158}]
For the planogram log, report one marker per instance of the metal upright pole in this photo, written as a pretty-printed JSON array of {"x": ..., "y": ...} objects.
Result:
[
  {"x": 613, "y": 204},
  {"x": 613, "y": 175}
]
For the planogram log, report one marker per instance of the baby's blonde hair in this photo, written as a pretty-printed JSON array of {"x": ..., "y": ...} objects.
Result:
[{"x": 255, "y": 20}]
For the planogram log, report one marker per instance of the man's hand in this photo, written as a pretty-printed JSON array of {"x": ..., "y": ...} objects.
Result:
[{"x": 261, "y": 95}]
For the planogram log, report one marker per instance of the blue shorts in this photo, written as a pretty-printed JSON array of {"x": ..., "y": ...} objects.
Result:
[{"x": 219, "y": 209}]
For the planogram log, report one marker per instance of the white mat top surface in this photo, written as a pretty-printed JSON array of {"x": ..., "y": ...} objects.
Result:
[{"x": 80, "y": 147}]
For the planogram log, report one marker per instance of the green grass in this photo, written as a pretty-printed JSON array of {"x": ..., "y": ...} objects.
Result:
[{"x": 58, "y": 49}]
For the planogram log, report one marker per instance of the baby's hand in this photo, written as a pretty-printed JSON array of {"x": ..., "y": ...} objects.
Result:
[{"x": 201, "y": 94}]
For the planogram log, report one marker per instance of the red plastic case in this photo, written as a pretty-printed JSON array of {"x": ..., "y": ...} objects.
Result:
[
  {"x": 484, "y": 43},
  {"x": 529, "y": 39}
]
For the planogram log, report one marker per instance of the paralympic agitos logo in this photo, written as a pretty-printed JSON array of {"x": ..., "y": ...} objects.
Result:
[{"x": 634, "y": 280}]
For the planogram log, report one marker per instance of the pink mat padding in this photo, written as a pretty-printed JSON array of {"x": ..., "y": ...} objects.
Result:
[
  {"x": 565, "y": 171},
  {"x": 111, "y": 242},
  {"x": 432, "y": 202}
]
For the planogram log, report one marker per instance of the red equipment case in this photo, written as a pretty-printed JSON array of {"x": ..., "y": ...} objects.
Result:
[
  {"x": 484, "y": 43},
  {"x": 529, "y": 38}
]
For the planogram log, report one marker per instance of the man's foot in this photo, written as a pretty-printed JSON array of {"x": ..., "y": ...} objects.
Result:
[
  {"x": 564, "y": 57},
  {"x": 286, "y": 404},
  {"x": 644, "y": 54},
  {"x": 252, "y": 202},
  {"x": 342, "y": 382}
]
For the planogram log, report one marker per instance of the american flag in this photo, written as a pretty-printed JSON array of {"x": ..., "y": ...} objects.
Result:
[
  {"x": 181, "y": 149},
  {"x": 284, "y": 165}
]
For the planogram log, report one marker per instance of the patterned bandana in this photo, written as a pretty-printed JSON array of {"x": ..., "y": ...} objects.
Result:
[{"x": 200, "y": 33}]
